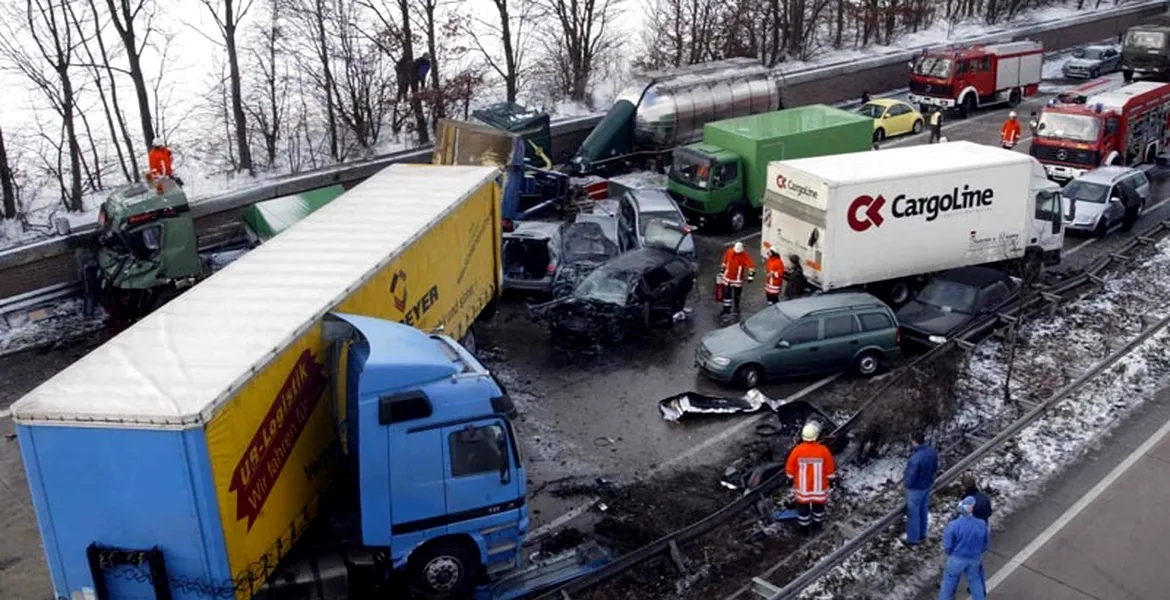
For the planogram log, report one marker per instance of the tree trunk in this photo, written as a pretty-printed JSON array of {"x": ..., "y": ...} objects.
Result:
[
  {"x": 416, "y": 105},
  {"x": 96, "y": 68},
  {"x": 510, "y": 75},
  {"x": 93, "y": 174},
  {"x": 125, "y": 27},
  {"x": 67, "y": 108},
  {"x": 7, "y": 188},
  {"x": 238, "y": 116},
  {"x": 438, "y": 104},
  {"x": 330, "y": 83}
]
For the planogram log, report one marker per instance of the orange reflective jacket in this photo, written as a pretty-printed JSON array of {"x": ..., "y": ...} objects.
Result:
[
  {"x": 160, "y": 161},
  {"x": 775, "y": 275},
  {"x": 737, "y": 267},
  {"x": 810, "y": 467},
  {"x": 1010, "y": 134}
]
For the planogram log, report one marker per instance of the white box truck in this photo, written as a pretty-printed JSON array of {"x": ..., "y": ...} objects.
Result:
[{"x": 885, "y": 220}]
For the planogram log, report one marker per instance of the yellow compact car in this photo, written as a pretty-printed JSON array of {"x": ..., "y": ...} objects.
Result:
[{"x": 891, "y": 117}]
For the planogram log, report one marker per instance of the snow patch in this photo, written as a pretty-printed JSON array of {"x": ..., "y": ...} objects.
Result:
[{"x": 53, "y": 323}]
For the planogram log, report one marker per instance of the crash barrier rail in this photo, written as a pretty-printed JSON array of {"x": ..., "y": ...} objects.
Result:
[
  {"x": 34, "y": 277},
  {"x": 1042, "y": 298}
]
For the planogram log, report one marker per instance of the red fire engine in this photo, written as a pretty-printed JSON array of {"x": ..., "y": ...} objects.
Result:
[
  {"x": 1124, "y": 126},
  {"x": 970, "y": 77}
]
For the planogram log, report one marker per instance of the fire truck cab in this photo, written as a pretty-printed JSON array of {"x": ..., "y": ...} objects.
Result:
[
  {"x": 1125, "y": 126},
  {"x": 966, "y": 78}
]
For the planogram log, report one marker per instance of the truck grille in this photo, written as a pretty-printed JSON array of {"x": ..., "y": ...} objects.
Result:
[
  {"x": 1143, "y": 62},
  {"x": 1065, "y": 155},
  {"x": 932, "y": 89}
]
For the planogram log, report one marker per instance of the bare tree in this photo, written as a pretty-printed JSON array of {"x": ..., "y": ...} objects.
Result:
[
  {"x": 425, "y": 11},
  {"x": 514, "y": 19},
  {"x": 267, "y": 104},
  {"x": 311, "y": 18},
  {"x": 48, "y": 66},
  {"x": 574, "y": 39},
  {"x": 134, "y": 22},
  {"x": 103, "y": 74},
  {"x": 7, "y": 189},
  {"x": 395, "y": 40},
  {"x": 227, "y": 15}
]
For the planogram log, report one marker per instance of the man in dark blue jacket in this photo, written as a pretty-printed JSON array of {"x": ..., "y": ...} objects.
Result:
[
  {"x": 965, "y": 541},
  {"x": 971, "y": 489},
  {"x": 918, "y": 479}
]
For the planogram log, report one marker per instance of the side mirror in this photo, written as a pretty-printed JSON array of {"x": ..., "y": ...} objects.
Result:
[
  {"x": 783, "y": 344},
  {"x": 1115, "y": 200},
  {"x": 502, "y": 446}
]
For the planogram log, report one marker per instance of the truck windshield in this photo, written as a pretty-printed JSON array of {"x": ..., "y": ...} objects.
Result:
[
  {"x": 1146, "y": 40},
  {"x": 932, "y": 66},
  {"x": 691, "y": 168},
  {"x": 1058, "y": 126},
  {"x": 1084, "y": 191},
  {"x": 950, "y": 296}
]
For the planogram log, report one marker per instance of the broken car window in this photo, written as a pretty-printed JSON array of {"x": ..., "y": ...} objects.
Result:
[{"x": 606, "y": 286}]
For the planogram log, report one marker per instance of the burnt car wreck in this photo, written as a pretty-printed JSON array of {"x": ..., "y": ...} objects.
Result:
[
  {"x": 633, "y": 291},
  {"x": 585, "y": 247}
]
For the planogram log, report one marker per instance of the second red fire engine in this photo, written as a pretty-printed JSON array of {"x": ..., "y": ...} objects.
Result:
[{"x": 975, "y": 76}]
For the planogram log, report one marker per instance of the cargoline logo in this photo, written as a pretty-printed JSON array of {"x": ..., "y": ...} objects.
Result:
[
  {"x": 865, "y": 211},
  {"x": 783, "y": 183}
]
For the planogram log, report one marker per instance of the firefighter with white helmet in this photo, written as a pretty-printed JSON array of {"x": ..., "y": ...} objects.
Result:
[
  {"x": 1009, "y": 134},
  {"x": 737, "y": 268},
  {"x": 160, "y": 161},
  {"x": 811, "y": 472}
]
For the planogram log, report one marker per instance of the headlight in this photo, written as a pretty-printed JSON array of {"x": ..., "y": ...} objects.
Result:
[
  {"x": 937, "y": 339},
  {"x": 720, "y": 361},
  {"x": 1084, "y": 219}
]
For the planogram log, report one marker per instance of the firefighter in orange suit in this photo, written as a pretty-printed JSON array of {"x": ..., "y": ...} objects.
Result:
[
  {"x": 773, "y": 275},
  {"x": 1010, "y": 134},
  {"x": 811, "y": 472},
  {"x": 737, "y": 268},
  {"x": 160, "y": 161}
]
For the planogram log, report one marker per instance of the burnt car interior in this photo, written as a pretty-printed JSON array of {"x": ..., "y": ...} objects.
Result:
[
  {"x": 527, "y": 257},
  {"x": 585, "y": 246}
]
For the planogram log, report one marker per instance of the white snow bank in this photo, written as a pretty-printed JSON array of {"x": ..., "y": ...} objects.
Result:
[
  {"x": 1052, "y": 353},
  {"x": 60, "y": 321}
]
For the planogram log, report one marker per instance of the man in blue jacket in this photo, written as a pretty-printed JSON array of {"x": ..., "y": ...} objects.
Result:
[
  {"x": 918, "y": 479},
  {"x": 965, "y": 541}
]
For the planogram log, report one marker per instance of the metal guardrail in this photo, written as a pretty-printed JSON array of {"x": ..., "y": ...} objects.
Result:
[{"x": 55, "y": 248}]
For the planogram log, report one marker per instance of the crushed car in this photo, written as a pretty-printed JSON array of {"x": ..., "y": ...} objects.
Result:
[
  {"x": 585, "y": 245},
  {"x": 632, "y": 291}
]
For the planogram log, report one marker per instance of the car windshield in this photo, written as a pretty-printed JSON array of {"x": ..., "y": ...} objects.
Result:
[
  {"x": 1089, "y": 53},
  {"x": 765, "y": 325},
  {"x": 586, "y": 241},
  {"x": 604, "y": 285},
  {"x": 1147, "y": 40},
  {"x": 647, "y": 217},
  {"x": 930, "y": 66},
  {"x": 871, "y": 110},
  {"x": 691, "y": 168},
  {"x": 665, "y": 234},
  {"x": 1085, "y": 191},
  {"x": 950, "y": 296},
  {"x": 1078, "y": 128}
]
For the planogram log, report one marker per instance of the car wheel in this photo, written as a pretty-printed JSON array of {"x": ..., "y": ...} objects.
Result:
[
  {"x": 867, "y": 363},
  {"x": 1101, "y": 229},
  {"x": 917, "y": 126},
  {"x": 736, "y": 218},
  {"x": 749, "y": 376},
  {"x": 1094, "y": 74},
  {"x": 445, "y": 569},
  {"x": 879, "y": 134}
]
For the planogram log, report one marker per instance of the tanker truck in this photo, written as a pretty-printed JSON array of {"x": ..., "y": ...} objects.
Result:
[
  {"x": 665, "y": 109},
  {"x": 288, "y": 430}
]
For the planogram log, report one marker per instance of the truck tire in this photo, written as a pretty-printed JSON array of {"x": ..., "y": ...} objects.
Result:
[
  {"x": 898, "y": 293},
  {"x": 468, "y": 340},
  {"x": 968, "y": 107},
  {"x": 736, "y": 218},
  {"x": 1127, "y": 75},
  {"x": 446, "y": 569},
  {"x": 1014, "y": 98}
]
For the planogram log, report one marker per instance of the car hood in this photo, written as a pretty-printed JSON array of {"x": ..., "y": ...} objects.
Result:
[
  {"x": 1084, "y": 63},
  {"x": 1083, "y": 210},
  {"x": 930, "y": 320},
  {"x": 728, "y": 341}
]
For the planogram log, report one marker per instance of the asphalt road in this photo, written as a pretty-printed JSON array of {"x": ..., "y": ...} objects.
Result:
[{"x": 584, "y": 415}]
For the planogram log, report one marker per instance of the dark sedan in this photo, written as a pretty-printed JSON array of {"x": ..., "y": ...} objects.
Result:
[
  {"x": 951, "y": 301},
  {"x": 633, "y": 291}
]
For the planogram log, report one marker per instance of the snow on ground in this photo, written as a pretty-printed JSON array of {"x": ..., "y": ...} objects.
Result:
[
  {"x": 55, "y": 323},
  {"x": 1052, "y": 353}
]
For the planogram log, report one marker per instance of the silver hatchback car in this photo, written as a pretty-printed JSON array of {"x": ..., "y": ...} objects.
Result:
[{"x": 1102, "y": 198}]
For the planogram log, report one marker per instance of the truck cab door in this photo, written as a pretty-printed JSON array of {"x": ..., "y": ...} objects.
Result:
[
  {"x": 483, "y": 475},
  {"x": 1048, "y": 221},
  {"x": 728, "y": 182}
]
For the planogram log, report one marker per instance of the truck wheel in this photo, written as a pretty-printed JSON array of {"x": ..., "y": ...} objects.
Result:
[
  {"x": 1127, "y": 75},
  {"x": 898, "y": 293},
  {"x": 749, "y": 376},
  {"x": 1033, "y": 264},
  {"x": 1014, "y": 98},
  {"x": 968, "y": 107},
  {"x": 468, "y": 340},
  {"x": 867, "y": 364},
  {"x": 445, "y": 569},
  {"x": 736, "y": 218}
]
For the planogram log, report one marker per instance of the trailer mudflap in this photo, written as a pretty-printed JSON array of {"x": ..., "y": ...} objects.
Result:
[{"x": 547, "y": 573}]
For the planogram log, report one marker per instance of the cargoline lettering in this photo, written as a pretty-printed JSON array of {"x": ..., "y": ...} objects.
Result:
[{"x": 933, "y": 206}]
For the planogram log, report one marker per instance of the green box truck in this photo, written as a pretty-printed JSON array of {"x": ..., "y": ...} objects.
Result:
[{"x": 723, "y": 177}]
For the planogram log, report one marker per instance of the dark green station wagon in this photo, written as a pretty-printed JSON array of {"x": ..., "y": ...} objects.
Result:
[{"x": 817, "y": 334}]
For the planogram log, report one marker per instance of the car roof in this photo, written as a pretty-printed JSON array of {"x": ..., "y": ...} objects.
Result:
[
  {"x": 536, "y": 229},
  {"x": 801, "y": 307},
  {"x": 653, "y": 201},
  {"x": 641, "y": 259},
  {"x": 974, "y": 276},
  {"x": 885, "y": 101},
  {"x": 1107, "y": 174}
]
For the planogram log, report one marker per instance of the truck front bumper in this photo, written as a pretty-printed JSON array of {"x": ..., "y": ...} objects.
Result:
[
  {"x": 1062, "y": 173},
  {"x": 931, "y": 101}
]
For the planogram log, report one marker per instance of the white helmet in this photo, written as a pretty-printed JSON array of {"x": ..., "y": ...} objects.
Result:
[
  {"x": 942, "y": 139},
  {"x": 1012, "y": 114},
  {"x": 738, "y": 247},
  {"x": 158, "y": 142},
  {"x": 810, "y": 432}
]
